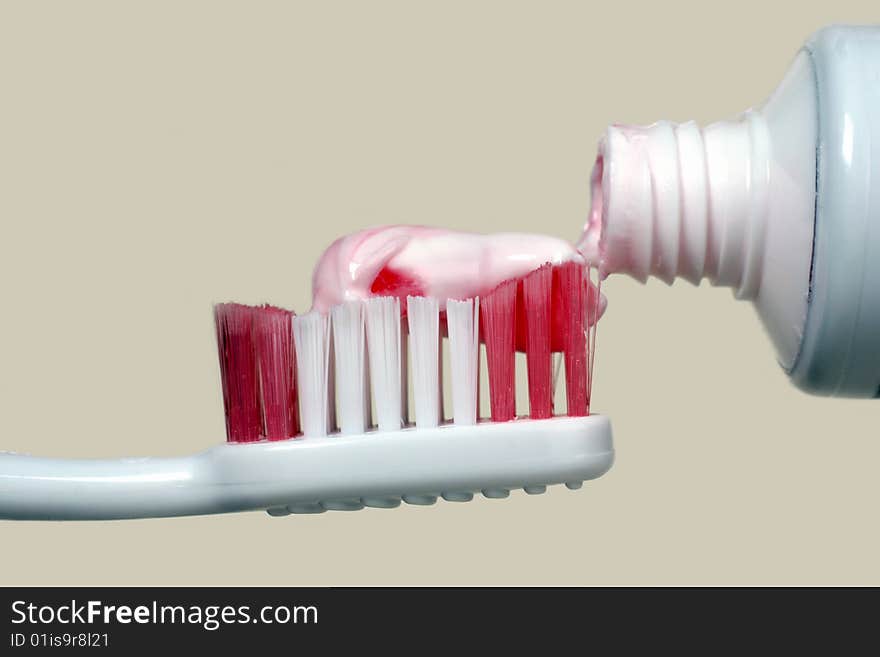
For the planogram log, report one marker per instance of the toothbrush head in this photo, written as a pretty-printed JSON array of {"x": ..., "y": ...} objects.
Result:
[{"x": 359, "y": 368}]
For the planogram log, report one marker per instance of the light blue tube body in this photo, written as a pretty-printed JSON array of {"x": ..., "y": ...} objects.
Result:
[{"x": 840, "y": 349}]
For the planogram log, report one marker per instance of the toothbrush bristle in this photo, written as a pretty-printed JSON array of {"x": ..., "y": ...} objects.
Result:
[
  {"x": 276, "y": 360},
  {"x": 311, "y": 335},
  {"x": 423, "y": 316},
  {"x": 463, "y": 326},
  {"x": 351, "y": 376},
  {"x": 498, "y": 326},
  {"x": 387, "y": 360},
  {"x": 238, "y": 371},
  {"x": 573, "y": 293},
  {"x": 537, "y": 288}
]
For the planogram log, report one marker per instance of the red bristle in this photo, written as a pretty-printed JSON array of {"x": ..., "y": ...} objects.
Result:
[
  {"x": 275, "y": 355},
  {"x": 573, "y": 288},
  {"x": 536, "y": 289},
  {"x": 238, "y": 371},
  {"x": 498, "y": 326}
]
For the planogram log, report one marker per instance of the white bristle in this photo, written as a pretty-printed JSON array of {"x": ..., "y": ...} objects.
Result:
[
  {"x": 384, "y": 349},
  {"x": 557, "y": 369},
  {"x": 349, "y": 347},
  {"x": 463, "y": 321},
  {"x": 311, "y": 334},
  {"x": 423, "y": 315},
  {"x": 404, "y": 374}
]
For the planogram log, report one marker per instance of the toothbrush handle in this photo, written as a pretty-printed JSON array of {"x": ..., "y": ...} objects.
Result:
[{"x": 35, "y": 488}]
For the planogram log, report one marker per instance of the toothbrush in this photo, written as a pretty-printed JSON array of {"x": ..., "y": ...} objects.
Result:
[{"x": 300, "y": 393}]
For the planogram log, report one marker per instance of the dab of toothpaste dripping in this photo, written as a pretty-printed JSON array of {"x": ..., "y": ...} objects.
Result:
[
  {"x": 590, "y": 245},
  {"x": 423, "y": 261}
]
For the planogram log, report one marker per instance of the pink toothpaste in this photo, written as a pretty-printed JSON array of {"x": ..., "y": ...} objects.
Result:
[{"x": 434, "y": 262}]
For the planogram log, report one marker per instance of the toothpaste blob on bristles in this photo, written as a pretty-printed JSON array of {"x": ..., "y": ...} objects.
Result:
[{"x": 432, "y": 262}]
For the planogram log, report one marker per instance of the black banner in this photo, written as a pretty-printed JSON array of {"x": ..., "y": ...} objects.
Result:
[{"x": 415, "y": 620}]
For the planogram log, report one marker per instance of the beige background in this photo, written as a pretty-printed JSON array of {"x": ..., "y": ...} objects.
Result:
[{"x": 158, "y": 157}]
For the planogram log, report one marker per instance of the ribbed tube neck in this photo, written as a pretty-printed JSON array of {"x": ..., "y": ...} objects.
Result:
[{"x": 676, "y": 200}]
